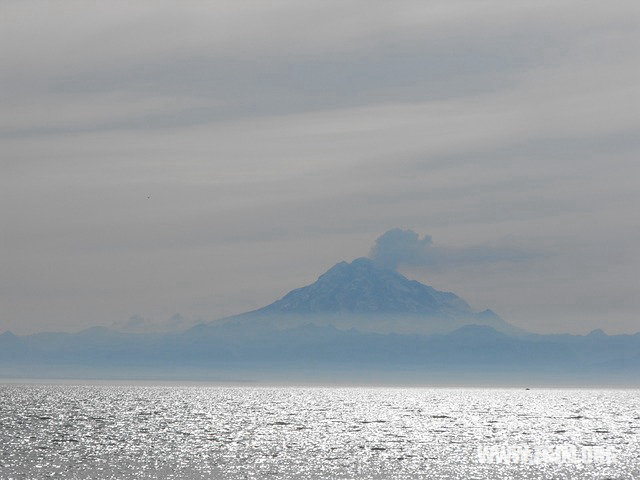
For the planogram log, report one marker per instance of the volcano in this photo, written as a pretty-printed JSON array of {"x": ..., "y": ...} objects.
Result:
[{"x": 370, "y": 297}]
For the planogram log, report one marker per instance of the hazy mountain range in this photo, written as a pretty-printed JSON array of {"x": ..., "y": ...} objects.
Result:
[{"x": 358, "y": 322}]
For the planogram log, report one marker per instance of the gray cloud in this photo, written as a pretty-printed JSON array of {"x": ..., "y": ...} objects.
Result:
[
  {"x": 397, "y": 247},
  {"x": 284, "y": 136}
]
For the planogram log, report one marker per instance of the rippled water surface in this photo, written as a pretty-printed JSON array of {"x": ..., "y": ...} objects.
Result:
[{"x": 193, "y": 432}]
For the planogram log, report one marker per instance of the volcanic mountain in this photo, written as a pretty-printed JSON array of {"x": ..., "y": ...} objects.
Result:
[
  {"x": 359, "y": 322},
  {"x": 369, "y": 297}
]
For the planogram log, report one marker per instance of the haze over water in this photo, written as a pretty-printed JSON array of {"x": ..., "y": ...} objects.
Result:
[{"x": 197, "y": 432}]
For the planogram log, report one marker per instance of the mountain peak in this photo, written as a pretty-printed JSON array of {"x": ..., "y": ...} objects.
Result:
[
  {"x": 365, "y": 287},
  {"x": 362, "y": 264},
  {"x": 370, "y": 297}
]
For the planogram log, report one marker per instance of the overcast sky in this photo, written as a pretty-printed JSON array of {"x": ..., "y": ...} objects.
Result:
[{"x": 204, "y": 158}]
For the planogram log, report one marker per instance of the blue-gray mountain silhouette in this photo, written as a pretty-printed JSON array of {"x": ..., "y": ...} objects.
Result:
[
  {"x": 358, "y": 322},
  {"x": 370, "y": 297},
  {"x": 472, "y": 354},
  {"x": 363, "y": 286}
]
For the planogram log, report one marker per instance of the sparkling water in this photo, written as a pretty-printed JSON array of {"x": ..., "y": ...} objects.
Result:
[{"x": 209, "y": 432}]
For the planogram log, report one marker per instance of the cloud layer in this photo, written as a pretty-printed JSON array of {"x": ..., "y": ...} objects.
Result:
[{"x": 275, "y": 139}]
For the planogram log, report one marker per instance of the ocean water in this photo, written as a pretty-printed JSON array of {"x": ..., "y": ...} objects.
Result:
[{"x": 210, "y": 432}]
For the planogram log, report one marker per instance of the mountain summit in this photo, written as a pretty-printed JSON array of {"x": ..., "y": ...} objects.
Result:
[
  {"x": 365, "y": 295},
  {"x": 365, "y": 287},
  {"x": 358, "y": 322}
]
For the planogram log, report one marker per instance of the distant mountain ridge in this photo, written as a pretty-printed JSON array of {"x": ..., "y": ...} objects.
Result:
[
  {"x": 358, "y": 321},
  {"x": 365, "y": 295},
  {"x": 472, "y": 354}
]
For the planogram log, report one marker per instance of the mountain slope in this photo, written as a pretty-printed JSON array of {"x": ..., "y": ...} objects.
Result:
[
  {"x": 363, "y": 287},
  {"x": 367, "y": 296}
]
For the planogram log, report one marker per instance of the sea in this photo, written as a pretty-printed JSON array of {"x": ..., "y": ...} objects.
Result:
[{"x": 199, "y": 431}]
